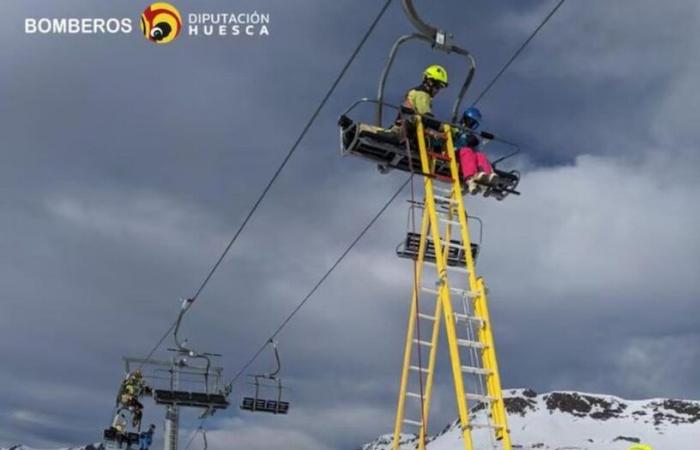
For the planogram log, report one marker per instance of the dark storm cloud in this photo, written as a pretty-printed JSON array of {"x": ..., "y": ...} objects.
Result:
[{"x": 126, "y": 167}]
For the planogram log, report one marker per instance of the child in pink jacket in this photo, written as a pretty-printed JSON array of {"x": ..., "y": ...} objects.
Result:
[{"x": 474, "y": 164}]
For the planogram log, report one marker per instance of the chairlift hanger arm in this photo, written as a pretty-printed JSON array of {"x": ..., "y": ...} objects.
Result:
[
  {"x": 186, "y": 305},
  {"x": 421, "y": 26},
  {"x": 446, "y": 48},
  {"x": 277, "y": 370}
]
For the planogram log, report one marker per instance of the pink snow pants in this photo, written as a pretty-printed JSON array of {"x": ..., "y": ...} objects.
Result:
[{"x": 473, "y": 162}]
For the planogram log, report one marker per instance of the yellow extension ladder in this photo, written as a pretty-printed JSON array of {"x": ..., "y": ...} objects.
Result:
[{"x": 460, "y": 304}]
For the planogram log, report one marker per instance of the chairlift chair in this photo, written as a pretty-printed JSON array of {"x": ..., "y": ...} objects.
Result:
[
  {"x": 257, "y": 403},
  {"x": 456, "y": 257},
  {"x": 372, "y": 141},
  {"x": 211, "y": 398},
  {"x": 390, "y": 151}
]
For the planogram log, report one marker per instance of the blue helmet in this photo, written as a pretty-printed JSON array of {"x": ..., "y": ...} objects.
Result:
[{"x": 472, "y": 117}]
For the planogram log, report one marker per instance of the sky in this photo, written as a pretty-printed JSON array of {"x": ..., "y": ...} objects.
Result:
[{"x": 126, "y": 167}]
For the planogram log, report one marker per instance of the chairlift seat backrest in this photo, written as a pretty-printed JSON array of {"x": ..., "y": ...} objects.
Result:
[
  {"x": 262, "y": 405},
  {"x": 455, "y": 256},
  {"x": 190, "y": 399}
]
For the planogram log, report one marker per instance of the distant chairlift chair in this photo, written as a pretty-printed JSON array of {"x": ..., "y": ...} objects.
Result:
[{"x": 260, "y": 404}]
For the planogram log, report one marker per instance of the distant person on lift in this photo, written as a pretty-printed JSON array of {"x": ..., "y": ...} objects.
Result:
[{"x": 146, "y": 438}]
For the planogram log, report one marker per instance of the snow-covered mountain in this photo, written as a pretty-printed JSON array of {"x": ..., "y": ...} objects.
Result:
[
  {"x": 577, "y": 421},
  {"x": 570, "y": 421}
]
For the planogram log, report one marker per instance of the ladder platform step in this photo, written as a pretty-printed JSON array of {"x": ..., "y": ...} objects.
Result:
[
  {"x": 413, "y": 422},
  {"x": 476, "y": 371},
  {"x": 423, "y": 343},
  {"x": 426, "y": 316},
  {"x": 419, "y": 369},
  {"x": 471, "y": 344},
  {"x": 414, "y": 395}
]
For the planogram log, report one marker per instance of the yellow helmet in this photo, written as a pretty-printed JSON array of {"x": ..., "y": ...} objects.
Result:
[
  {"x": 640, "y": 447},
  {"x": 437, "y": 73}
]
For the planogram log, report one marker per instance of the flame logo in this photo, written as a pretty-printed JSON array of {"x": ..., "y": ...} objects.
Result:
[{"x": 161, "y": 23}]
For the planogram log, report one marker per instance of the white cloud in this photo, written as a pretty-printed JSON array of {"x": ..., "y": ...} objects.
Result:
[
  {"x": 604, "y": 229},
  {"x": 643, "y": 364},
  {"x": 145, "y": 219}
]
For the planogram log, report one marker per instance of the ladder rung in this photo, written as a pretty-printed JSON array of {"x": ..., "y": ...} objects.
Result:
[
  {"x": 480, "y": 398},
  {"x": 440, "y": 156},
  {"x": 426, "y": 316},
  {"x": 423, "y": 343},
  {"x": 414, "y": 395},
  {"x": 413, "y": 422},
  {"x": 419, "y": 369},
  {"x": 464, "y": 293},
  {"x": 472, "y": 344},
  {"x": 449, "y": 221},
  {"x": 476, "y": 370},
  {"x": 442, "y": 190},
  {"x": 448, "y": 267},
  {"x": 460, "y": 292},
  {"x": 465, "y": 318},
  {"x": 443, "y": 199},
  {"x": 458, "y": 269},
  {"x": 430, "y": 291},
  {"x": 446, "y": 213},
  {"x": 443, "y": 178}
]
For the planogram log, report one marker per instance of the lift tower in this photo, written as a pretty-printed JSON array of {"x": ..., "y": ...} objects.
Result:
[
  {"x": 177, "y": 384},
  {"x": 187, "y": 380}
]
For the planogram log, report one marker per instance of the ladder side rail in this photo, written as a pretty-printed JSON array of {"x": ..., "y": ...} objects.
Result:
[
  {"x": 462, "y": 213},
  {"x": 480, "y": 307},
  {"x": 498, "y": 408},
  {"x": 435, "y": 338},
  {"x": 410, "y": 333},
  {"x": 465, "y": 235},
  {"x": 432, "y": 359},
  {"x": 444, "y": 291}
]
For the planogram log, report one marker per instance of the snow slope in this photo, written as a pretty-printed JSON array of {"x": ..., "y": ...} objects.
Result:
[
  {"x": 571, "y": 421},
  {"x": 577, "y": 421},
  {"x": 89, "y": 447}
]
